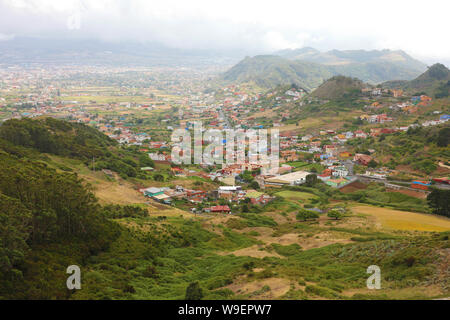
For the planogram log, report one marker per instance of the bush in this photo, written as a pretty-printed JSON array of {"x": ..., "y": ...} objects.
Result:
[{"x": 335, "y": 214}]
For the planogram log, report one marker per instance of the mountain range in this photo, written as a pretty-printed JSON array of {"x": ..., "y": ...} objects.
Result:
[
  {"x": 51, "y": 51},
  {"x": 309, "y": 67}
]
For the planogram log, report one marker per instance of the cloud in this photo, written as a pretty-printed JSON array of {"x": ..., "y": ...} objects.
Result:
[
  {"x": 6, "y": 37},
  {"x": 259, "y": 26}
]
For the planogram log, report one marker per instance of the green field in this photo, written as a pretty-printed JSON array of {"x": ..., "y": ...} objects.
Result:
[{"x": 296, "y": 195}]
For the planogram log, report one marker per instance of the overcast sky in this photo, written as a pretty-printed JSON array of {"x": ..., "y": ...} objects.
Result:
[{"x": 419, "y": 27}]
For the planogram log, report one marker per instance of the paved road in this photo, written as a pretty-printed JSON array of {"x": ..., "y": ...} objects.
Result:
[
  {"x": 392, "y": 182},
  {"x": 225, "y": 118}
]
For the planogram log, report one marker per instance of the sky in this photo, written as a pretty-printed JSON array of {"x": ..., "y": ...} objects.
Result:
[{"x": 418, "y": 27}]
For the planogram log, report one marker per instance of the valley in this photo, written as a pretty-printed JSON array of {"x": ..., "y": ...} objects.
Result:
[{"x": 88, "y": 178}]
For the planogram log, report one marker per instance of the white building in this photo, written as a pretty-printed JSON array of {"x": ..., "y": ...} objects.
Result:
[{"x": 340, "y": 172}]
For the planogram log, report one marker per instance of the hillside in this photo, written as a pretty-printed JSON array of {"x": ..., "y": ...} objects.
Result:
[
  {"x": 434, "y": 82},
  {"x": 269, "y": 71},
  {"x": 51, "y": 219},
  {"x": 309, "y": 67},
  {"x": 338, "y": 87},
  {"x": 72, "y": 140}
]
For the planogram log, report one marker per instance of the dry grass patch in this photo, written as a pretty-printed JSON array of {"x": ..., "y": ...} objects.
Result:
[
  {"x": 418, "y": 292},
  {"x": 278, "y": 287},
  {"x": 405, "y": 220},
  {"x": 255, "y": 251}
]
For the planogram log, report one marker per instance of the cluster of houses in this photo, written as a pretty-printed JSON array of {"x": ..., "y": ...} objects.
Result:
[
  {"x": 166, "y": 195},
  {"x": 376, "y": 118},
  {"x": 231, "y": 194}
]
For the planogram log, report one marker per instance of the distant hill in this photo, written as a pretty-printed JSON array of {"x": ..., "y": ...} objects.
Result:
[
  {"x": 269, "y": 71},
  {"x": 435, "y": 82},
  {"x": 339, "y": 87},
  {"x": 308, "y": 67}
]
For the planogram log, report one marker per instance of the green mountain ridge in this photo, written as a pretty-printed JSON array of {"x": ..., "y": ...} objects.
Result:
[
  {"x": 434, "y": 82},
  {"x": 268, "y": 71},
  {"x": 308, "y": 67},
  {"x": 339, "y": 57}
]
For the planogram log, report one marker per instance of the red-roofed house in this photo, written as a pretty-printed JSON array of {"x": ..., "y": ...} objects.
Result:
[
  {"x": 224, "y": 209},
  {"x": 363, "y": 159}
]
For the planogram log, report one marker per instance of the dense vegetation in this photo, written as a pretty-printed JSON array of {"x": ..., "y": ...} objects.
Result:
[
  {"x": 73, "y": 140},
  {"x": 421, "y": 148},
  {"x": 439, "y": 201},
  {"x": 49, "y": 220}
]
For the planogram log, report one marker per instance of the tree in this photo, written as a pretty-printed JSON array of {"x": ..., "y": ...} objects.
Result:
[
  {"x": 194, "y": 292},
  {"x": 439, "y": 201},
  {"x": 311, "y": 180},
  {"x": 443, "y": 137},
  {"x": 304, "y": 215},
  {"x": 334, "y": 214},
  {"x": 254, "y": 185},
  {"x": 372, "y": 164},
  {"x": 145, "y": 161}
]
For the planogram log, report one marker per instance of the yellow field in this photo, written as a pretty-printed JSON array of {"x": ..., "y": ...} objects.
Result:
[{"x": 404, "y": 220}]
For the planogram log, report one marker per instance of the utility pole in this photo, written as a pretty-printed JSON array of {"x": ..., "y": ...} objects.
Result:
[{"x": 93, "y": 163}]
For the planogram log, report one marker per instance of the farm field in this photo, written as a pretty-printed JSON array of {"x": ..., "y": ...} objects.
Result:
[{"x": 403, "y": 220}]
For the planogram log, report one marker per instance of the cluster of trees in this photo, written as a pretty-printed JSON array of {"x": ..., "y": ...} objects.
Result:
[
  {"x": 41, "y": 208},
  {"x": 439, "y": 201},
  {"x": 304, "y": 215}
]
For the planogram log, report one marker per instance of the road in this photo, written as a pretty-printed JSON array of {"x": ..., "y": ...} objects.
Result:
[{"x": 391, "y": 183}]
